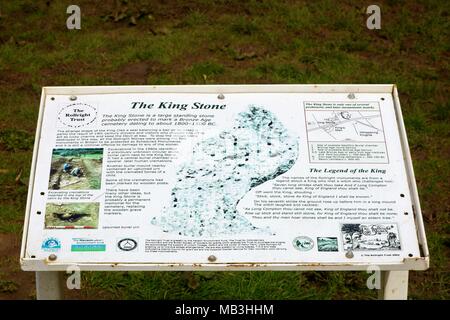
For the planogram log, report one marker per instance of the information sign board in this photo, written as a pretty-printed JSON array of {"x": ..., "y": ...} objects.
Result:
[{"x": 275, "y": 177}]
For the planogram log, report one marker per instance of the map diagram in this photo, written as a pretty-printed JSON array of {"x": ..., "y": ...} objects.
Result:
[{"x": 365, "y": 126}]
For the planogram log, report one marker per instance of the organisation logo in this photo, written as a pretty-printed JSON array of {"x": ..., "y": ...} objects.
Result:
[
  {"x": 77, "y": 115},
  {"x": 51, "y": 244},
  {"x": 303, "y": 243},
  {"x": 127, "y": 244},
  {"x": 86, "y": 245}
]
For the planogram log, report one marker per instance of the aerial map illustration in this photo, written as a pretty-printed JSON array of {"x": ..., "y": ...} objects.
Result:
[{"x": 344, "y": 126}]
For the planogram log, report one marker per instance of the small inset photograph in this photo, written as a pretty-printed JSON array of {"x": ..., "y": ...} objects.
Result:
[
  {"x": 368, "y": 237},
  {"x": 327, "y": 244},
  {"x": 76, "y": 169},
  {"x": 74, "y": 215}
]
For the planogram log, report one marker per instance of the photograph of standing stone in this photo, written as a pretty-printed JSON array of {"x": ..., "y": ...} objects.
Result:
[{"x": 222, "y": 169}]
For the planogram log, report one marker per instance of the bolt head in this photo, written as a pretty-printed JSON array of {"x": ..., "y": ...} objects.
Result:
[
  {"x": 73, "y": 98},
  {"x": 221, "y": 96},
  {"x": 52, "y": 257},
  {"x": 351, "y": 96},
  {"x": 349, "y": 254},
  {"x": 212, "y": 258}
]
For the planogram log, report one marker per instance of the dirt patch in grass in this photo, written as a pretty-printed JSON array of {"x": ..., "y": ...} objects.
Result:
[
  {"x": 10, "y": 79},
  {"x": 133, "y": 73},
  {"x": 14, "y": 283}
]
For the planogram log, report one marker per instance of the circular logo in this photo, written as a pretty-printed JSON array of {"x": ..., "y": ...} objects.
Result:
[
  {"x": 51, "y": 244},
  {"x": 303, "y": 243},
  {"x": 127, "y": 244},
  {"x": 77, "y": 115}
]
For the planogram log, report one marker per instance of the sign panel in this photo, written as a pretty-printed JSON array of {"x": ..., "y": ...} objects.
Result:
[{"x": 204, "y": 178}]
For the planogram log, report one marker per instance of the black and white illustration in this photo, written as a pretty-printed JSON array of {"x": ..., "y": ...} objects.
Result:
[
  {"x": 367, "y": 237},
  {"x": 222, "y": 169}
]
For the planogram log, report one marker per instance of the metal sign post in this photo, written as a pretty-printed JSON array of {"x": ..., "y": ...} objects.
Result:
[
  {"x": 49, "y": 285},
  {"x": 222, "y": 177},
  {"x": 394, "y": 285}
]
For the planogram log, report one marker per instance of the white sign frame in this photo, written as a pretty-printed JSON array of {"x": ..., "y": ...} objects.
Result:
[
  {"x": 413, "y": 263},
  {"x": 28, "y": 263}
]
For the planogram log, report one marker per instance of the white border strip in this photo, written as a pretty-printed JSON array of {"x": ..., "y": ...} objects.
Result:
[
  {"x": 411, "y": 177},
  {"x": 43, "y": 265},
  {"x": 251, "y": 88},
  {"x": 37, "y": 139}
]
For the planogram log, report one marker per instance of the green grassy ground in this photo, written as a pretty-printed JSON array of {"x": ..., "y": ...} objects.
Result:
[{"x": 196, "y": 42}]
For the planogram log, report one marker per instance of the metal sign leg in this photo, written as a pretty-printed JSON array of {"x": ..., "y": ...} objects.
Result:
[
  {"x": 49, "y": 285},
  {"x": 394, "y": 285}
]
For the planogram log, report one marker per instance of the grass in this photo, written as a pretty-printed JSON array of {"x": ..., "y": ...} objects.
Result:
[
  {"x": 15, "y": 139},
  {"x": 229, "y": 285},
  {"x": 8, "y": 286},
  {"x": 233, "y": 42}
]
